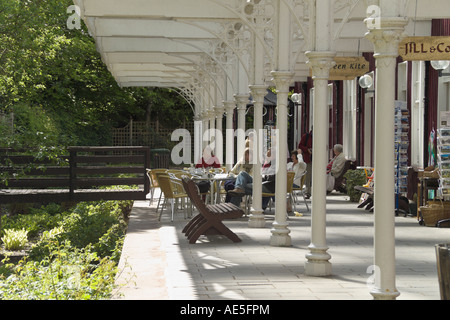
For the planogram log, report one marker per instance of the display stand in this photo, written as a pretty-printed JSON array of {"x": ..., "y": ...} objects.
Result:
[
  {"x": 443, "y": 162},
  {"x": 401, "y": 150}
]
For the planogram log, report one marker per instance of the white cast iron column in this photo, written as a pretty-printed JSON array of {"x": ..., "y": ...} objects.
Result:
[
  {"x": 212, "y": 125},
  {"x": 242, "y": 101},
  {"x": 280, "y": 232},
  {"x": 385, "y": 38},
  {"x": 256, "y": 219},
  {"x": 318, "y": 259},
  {"x": 219, "y": 133},
  {"x": 198, "y": 138},
  {"x": 229, "y": 109},
  {"x": 205, "y": 128}
]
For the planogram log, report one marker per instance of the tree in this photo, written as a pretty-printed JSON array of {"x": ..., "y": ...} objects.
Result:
[{"x": 54, "y": 80}]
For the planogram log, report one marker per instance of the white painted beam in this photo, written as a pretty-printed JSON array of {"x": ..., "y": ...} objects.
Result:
[{"x": 156, "y": 9}]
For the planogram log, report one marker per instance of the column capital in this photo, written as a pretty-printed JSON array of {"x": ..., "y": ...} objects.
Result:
[
  {"x": 282, "y": 80},
  {"x": 211, "y": 114},
  {"x": 204, "y": 115},
  {"x": 258, "y": 87},
  {"x": 387, "y": 36},
  {"x": 219, "y": 111},
  {"x": 258, "y": 92},
  {"x": 242, "y": 101},
  {"x": 321, "y": 62},
  {"x": 229, "y": 106}
]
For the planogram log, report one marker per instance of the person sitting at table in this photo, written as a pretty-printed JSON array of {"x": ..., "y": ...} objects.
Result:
[
  {"x": 208, "y": 160},
  {"x": 242, "y": 165},
  {"x": 244, "y": 177},
  {"x": 268, "y": 167},
  {"x": 298, "y": 166},
  {"x": 244, "y": 181}
]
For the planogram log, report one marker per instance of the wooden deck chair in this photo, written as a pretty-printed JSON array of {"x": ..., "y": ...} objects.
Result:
[
  {"x": 209, "y": 219},
  {"x": 295, "y": 191},
  {"x": 172, "y": 190}
]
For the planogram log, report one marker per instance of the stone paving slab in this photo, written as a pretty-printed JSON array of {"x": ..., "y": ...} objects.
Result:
[{"x": 158, "y": 263}]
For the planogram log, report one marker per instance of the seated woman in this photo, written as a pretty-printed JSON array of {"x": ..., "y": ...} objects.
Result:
[
  {"x": 298, "y": 166},
  {"x": 208, "y": 160}
]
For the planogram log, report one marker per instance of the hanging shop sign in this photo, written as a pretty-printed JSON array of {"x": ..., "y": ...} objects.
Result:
[
  {"x": 425, "y": 48},
  {"x": 348, "y": 68}
]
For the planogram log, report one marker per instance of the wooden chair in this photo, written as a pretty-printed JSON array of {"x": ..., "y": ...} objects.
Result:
[
  {"x": 209, "y": 219},
  {"x": 172, "y": 190}
]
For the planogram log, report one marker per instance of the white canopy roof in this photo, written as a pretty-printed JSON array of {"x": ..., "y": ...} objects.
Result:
[{"x": 185, "y": 44}]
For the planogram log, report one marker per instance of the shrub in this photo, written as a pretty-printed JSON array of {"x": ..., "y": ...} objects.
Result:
[
  {"x": 110, "y": 244},
  {"x": 75, "y": 258},
  {"x": 15, "y": 239},
  {"x": 66, "y": 274},
  {"x": 354, "y": 178},
  {"x": 89, "y": 222},
  {"x": 39, "y": 220}
]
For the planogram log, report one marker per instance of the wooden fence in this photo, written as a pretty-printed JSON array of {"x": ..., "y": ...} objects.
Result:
[
  {"x": 85, "y": 174},
  {"x": 153, "y": 135}
]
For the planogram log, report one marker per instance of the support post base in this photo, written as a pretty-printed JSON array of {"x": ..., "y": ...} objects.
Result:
[
  {"x": 318, "y": 264},
  {"x": 379, "y": 294},
  {"x": 256, "y": 220},
  {"x": 280, "y": 235}
]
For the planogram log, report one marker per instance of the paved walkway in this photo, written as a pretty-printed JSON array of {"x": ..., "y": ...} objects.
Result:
[{"x": 158, "y": 262}]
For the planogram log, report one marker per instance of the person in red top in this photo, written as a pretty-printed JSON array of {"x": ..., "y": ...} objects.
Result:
[
  {"x": 208, "y": 160},
  {"x": 305, "y": 145}
]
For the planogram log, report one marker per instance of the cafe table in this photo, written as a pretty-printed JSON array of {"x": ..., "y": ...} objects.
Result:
[{"x": 215, "y": 180}]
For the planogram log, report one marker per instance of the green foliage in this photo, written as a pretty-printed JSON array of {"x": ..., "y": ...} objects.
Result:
[
  {"x": 55, "y": 82},
  {"x": 68, "y": 273},
  {"x": 89, "y": 222},
  {"x": 15, "y": 239},
  {"x": 354, "y": 178},
  {"x": 39, "y": 220},
  {"x": 75, "y": 257},
  {"x": 110, "y": 244}
]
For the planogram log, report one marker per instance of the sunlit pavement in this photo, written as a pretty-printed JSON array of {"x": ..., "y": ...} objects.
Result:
[{"x": 158, "y": 262}]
